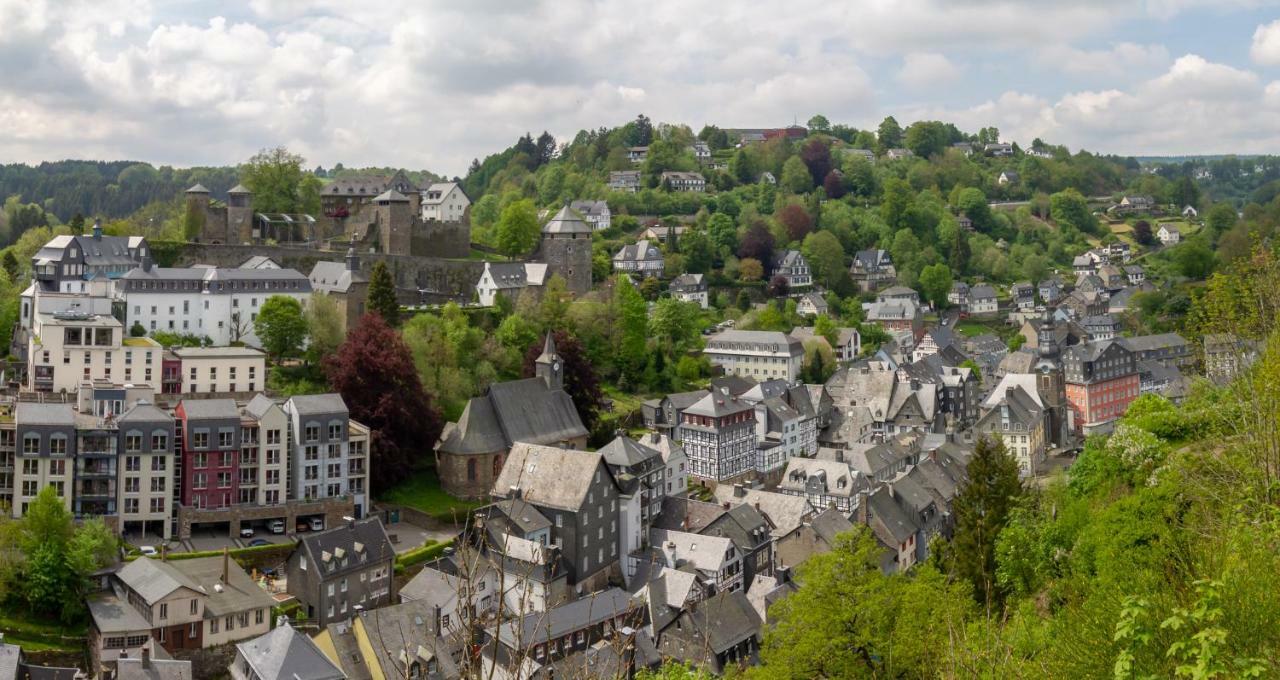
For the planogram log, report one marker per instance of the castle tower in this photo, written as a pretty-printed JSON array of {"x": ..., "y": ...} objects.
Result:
[
  {"x": 548, "y": 365},
  {"x": 1051, "y": 383},
  {"x": 566, "y": 248},
  {"x": 239, "y": 214},
  {"x": 395, "y": 222},
  {"x": 198, "y": 212}
]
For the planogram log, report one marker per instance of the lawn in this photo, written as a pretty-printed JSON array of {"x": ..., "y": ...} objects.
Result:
[
  {"x": 971, "y": 329},
  {"x": 34, "y": 635},
  {"x": 422, "y": 492}
]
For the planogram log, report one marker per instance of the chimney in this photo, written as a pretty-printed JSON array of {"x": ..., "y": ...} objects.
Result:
[
  {"x": 146, "y": 658},
  {"x": 739, "y": 490},
  {"x": 146, "y": 263},
  {"x": 671, "y": 554},
  {"x": 726, "y": 505},
  {"x": 97, "y": 228},
  {"x": 226, "y": 564}
]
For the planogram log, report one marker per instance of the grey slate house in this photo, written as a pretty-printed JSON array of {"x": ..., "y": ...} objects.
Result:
[
  {"x": 625, "y": 455},
  {"x": 66, "y": 262},
  {"x": 283, "y": 654},
  {"x": 46, "y": 448},
  {"x": 721, "y": 631},
  {"x": 577, "y": 492},
  {"x": 338, "y": 572},
  {"x": 664, "y": 414},
  {"x": 318, "y": 424},
  {"x": 743, "y": 524}
]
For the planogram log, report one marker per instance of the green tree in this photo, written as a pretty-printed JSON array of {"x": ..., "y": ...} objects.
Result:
[
  {"x": 819, "y": 123},
  {"x": 1220, "y": 219},
  {"x": 926, "y": 138},
  {"x": 724, "y": 233},
  {"x": 981, "y": 509},
  {"x": 382, "y": 294},
  {"x": 275, "y": 176},
  {"x": 935, "y": 283},
  {"x": 137, "y": 330},
  {"x": 1195, "y": 260},
  {"x": 795, "y": 176},
  {"x": 698, "y": 251},
  {"x": 897, "y": 201},
  {"x": 518, "y": 230},
  {"x": 824, "y": 327},
  {"x": 324, "y": 325},
  {"x": 750, "y": 269},
  {"x": 281, "y": 326},
  {"x": 11, "y": 266},
  {"x": 823, "y": 252},
  {"x": 632, "y": 329},
  {"x": 889, "y": 134},
  {"x": 1069, "y": 207}
]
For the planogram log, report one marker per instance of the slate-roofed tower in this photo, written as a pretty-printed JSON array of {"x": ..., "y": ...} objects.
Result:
[
  {"x": 239, "y": 214},
  {"x": 549, "y": 367},
  {"x": 566, "y": 248},
  {"x": 395, "y": 220},
  {"x": 1051, "y": 383}
]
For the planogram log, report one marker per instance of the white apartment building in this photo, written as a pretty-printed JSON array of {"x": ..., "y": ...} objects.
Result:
[
  {"x": 66, "y": 348},
  {"x": 220, "y": 304},
  {"x": 762, "y": 355},
  {"x": 220, "y": 369},
  {"x": 264, "y": 453},
  {"x": 444, "y": 202},
  {"x": 146, "y": 470},
  {"x": 330, "y": 453}
]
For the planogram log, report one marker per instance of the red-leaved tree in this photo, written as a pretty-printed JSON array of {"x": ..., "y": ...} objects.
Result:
[
  {"x": 374, "y": 372},
  {"x": 796, "y": 220},
  {"x": 817, "y": 158},
  {"x": 756, "y": 243},
  {"x": 834, "y": 185},
  {"x": 580, "y": 379}
]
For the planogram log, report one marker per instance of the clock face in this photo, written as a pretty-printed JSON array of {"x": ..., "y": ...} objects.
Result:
[{"x": 555, "y": 366}]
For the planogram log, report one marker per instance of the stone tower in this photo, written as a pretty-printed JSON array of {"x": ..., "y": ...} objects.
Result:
[
  {"x": 549, "y": 367},
  {"x": 239, "y": 214},
  {"x": 207, "y": 227},
  {"x": 1051, "y": 384},
  {"x": 394, "y": 220},
  {"x": 566, "y": 248}
]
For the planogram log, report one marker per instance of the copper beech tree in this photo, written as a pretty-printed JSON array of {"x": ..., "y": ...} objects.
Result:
[{"x": 374, "y": 372}]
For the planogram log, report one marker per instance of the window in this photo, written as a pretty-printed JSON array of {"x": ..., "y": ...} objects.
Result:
[
  {"x": 312, "y": 433},
  {"x": 335, "y": 431},
  {"x": 195, "y": 607},
  {"x": 164, "y": 610},
  {"x": 213, "y": 626},
  {"x": 31, "y": 444},
  {"x": 193, "y": 630},
  {"x": 58, "y": 445},
  {"x": 200, "y": 440}
]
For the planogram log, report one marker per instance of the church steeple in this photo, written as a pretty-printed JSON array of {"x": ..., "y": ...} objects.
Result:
[{"x": 548, "y": 365}]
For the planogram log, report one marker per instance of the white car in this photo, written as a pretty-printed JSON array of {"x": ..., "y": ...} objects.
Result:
[
  {"x": 317, "y": 524},
  {"x": 246, "y": 532},
  {"x": 148, "y": 550},
  {"x": 276, "y": 526}
]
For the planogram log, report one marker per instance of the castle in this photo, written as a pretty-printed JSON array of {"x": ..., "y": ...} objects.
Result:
[{"x": 373, "y": 214}]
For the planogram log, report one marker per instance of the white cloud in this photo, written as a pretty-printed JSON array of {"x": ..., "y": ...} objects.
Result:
[
  {"x": 1123, "y": 57},
  {"x": 431, "y": 84},
  {"x": 1266, "y": 44},
  {"x": 927, "y": 69}
]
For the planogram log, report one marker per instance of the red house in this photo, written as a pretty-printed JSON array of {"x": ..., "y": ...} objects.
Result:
[
  {"x": 1101, "y": 381},
  {"x": 210, "y": 452}
]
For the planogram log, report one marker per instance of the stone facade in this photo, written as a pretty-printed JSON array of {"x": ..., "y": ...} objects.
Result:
[
  {"x": 333, "y": 509},
  {"x": 566, "y": 248}
]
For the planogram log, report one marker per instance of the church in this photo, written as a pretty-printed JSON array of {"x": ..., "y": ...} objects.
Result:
[{"x": 536, "y": 410}]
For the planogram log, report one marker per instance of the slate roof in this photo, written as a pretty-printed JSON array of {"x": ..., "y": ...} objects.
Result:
[
  {"x": 154, "y": 579},
  {"x": 1149, "y": 343},
  {"x": 872, "y": 260},
  {"x": 717, "y": 405},
  {"x": 318, "y": 404},
  {"x": 145, "y": 412},
  {"x": 31, "y": 413},
  {"x": 566, "y": 618},
  {"x": 640, "y": 251},
  {"x": 704, "y": 553},
  {"x": 982, "y": 291},
  {"x": 159, "y": 669},
  {"x": 548, "y": 476},
  {"x": 830, "y": 523},
  {"x": 391, "y": 196},
  {"x": 566, "y": 221},
  {"x": 784, "y": 512},
  {"x": 407, "y": 626},
  {"x": 626, "y": 452},
  {"x": 519, "y": 410},
  {"x": 210, "y": 408},
  {"x": 522, "y": 515},
  {"x": 334, "y": 276},
  {"x": 717, "y": 624},
  {"x": 327, "y": 547},
  {"x": 286, "y": 654},
  {"x": 688, "y": 283},
  {"x": 892, "y": 524}
]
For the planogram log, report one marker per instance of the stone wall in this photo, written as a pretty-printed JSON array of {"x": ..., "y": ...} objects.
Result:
[
  {"x": 210, "y": 663},
  {"x": 418, "y": 279}
]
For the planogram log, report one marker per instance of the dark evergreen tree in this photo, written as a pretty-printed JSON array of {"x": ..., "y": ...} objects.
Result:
[
  {"x": 982, "y": 509},
  {"x": 382, "y": 294}
]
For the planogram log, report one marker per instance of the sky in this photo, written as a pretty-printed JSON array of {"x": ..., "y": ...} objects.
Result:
[{"x": 426, "y": 84}]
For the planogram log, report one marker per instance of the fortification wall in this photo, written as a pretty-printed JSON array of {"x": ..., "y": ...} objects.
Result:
[{"x": 438, "y": 279}]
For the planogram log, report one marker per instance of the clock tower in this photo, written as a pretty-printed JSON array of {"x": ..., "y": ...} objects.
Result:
[{"x": 549, "y": 367}]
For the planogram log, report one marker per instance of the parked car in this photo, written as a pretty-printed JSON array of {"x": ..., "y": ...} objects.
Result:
[
  {"x": 301, "y": 526},
  {"x": 317, "y": 524},
  {"x": 258, "y": 541},
  {"x": 246, "y": 532},
  {"x": 276, "y": 526},
  {"x": 148, "y": 550}
]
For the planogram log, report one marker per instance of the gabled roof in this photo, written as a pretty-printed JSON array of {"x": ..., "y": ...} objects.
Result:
[
  {"x": 347, "y": 541},
  {"x": 210, "y": 408},
  {"x": 334, "y": 276},
  {"x": 889, "y": 521},
  {"x": 554, "y": 623},
  {"x": 547, "y": 476},
  {"x": 715, "y": 625},
  {"x": 626, "y": 452},
  {"x": 785, "y": 512},
  {"x": 145, "y": 412},
  {"x": 286, "y": 654},
  {"x": 317, "y": 404},
  {"x": 31, "y": 413}
]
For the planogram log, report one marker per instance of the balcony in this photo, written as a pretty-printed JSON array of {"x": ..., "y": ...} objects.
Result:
[
  {"x": 96, "y": 488},
  {"x": 99, "y": 467}
]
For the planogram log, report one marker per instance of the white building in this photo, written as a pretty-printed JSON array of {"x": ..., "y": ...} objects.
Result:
[
  {"x": 221, "y": 369},
  {"x": 444, "y": 202},
  {"x": 684, "y": 181},
  {"x": 220, "y": 304},
  {"x": 690, "y": 288},
  {"x": 762, "y": 355},
  {"x": 509, "y": 279},
  {"x": 595, "y": 213},
  {"x": 264, "y": 453},
  {"x": 330, "y": 457},
  {"x": 641, "y": 257},
  {"x": 1169, "y": 234},
  {"x": 66, "y": 348}
]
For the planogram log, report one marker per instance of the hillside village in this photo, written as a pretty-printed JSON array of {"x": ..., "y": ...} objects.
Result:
[{"x": 595, "y": 409}]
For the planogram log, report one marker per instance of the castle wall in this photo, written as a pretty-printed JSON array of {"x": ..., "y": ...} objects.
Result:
[{"x": 441, "y": 279}]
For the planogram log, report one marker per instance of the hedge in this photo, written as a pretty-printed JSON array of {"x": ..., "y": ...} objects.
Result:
[
  {"x": 429, "y": 551},
  {"x": 258, "y": 554}
]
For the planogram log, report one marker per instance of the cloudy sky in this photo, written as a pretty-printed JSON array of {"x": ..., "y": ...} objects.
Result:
[{"x": 432, "y": 84}]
